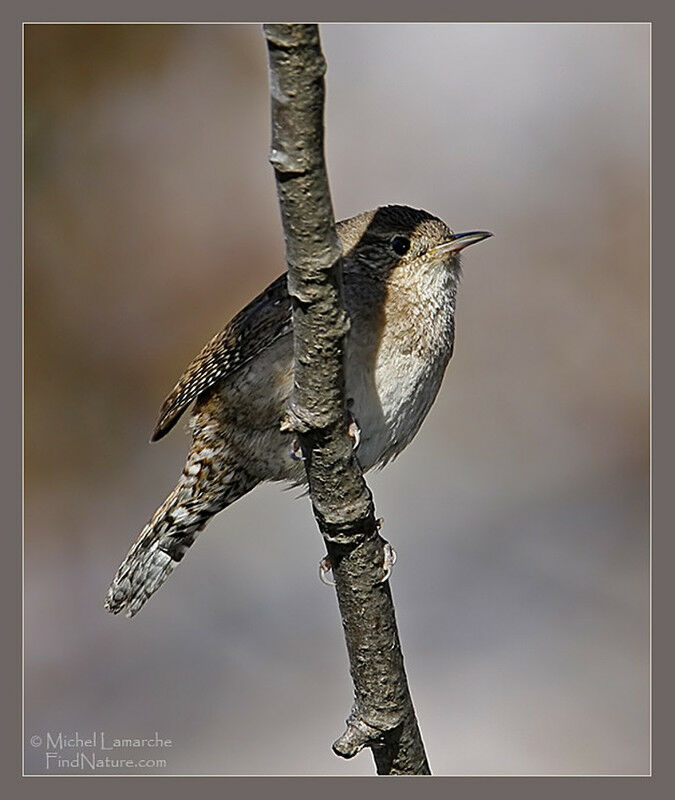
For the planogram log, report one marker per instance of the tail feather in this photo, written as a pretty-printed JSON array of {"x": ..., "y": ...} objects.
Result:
[
  {"x": 151, "y": 559},
  {"x": 166, "y": 538}
]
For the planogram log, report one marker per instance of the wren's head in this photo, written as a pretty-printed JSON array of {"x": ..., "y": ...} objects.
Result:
[{"x": 393, "y": 237}]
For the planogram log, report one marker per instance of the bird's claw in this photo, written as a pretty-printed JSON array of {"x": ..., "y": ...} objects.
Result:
[
  {"x": 388, "y": 561},
  {"x": 324, "y": 568},
  {"x": 354, "y": 431},
  {"x": 296, "y": 450}
]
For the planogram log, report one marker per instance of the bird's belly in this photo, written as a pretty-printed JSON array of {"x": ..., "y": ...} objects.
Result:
[
  {"x": 389, "y": 393},
  {"x": 391, "y": 400}
]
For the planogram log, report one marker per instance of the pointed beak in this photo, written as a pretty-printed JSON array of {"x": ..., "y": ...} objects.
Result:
[{"x": 461, "y": 240}]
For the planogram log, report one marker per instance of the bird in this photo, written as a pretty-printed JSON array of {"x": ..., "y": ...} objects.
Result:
[{"x": 401, "y": 271}]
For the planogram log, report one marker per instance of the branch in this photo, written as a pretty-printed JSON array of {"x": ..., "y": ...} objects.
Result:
[{"x": 382, "y": 717}]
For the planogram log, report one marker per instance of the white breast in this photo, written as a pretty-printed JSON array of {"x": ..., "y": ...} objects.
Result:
[{"x": 394, "y": 387}]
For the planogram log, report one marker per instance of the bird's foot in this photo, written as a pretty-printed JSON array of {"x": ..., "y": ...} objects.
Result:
[
  {"x": 388, "y": 561},
  {"x": 296, "y": 450},
  {"x": 324, "y": 568},
  {"x": 354, "y": 430}
]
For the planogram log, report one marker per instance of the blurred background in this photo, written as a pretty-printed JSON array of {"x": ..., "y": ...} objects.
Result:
[{"x": 520, "y": 513}]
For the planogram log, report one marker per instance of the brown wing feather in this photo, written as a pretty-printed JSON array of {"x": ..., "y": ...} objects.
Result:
[{"x": 256, "y": 327}]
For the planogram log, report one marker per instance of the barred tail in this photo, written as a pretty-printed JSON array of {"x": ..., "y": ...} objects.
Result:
[{"x": 166, "y": 538}]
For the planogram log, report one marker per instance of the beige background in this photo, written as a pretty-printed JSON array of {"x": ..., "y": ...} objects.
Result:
[{"x": 520, "y": 514}]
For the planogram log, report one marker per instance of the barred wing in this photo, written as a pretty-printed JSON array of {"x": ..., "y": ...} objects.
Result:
[{"x": 256, "y": 327}]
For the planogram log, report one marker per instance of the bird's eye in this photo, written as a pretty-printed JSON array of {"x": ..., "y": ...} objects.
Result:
[{"x": 400, "y": 245}]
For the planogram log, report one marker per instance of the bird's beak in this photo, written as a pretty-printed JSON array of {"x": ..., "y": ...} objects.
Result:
[{"x": 461, "y": 240}]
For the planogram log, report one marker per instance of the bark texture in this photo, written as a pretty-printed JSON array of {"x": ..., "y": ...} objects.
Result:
[{"x": 382, "y": 717}]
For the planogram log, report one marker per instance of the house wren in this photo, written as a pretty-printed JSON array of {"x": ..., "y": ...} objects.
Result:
[{"x": 401, "y": 271}]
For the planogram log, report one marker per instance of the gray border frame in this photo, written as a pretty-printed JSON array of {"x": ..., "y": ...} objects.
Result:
[{"x": 663, "y": 399}]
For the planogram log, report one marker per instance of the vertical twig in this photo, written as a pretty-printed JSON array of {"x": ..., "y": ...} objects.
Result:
[{"x": 383, "y": 717}]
